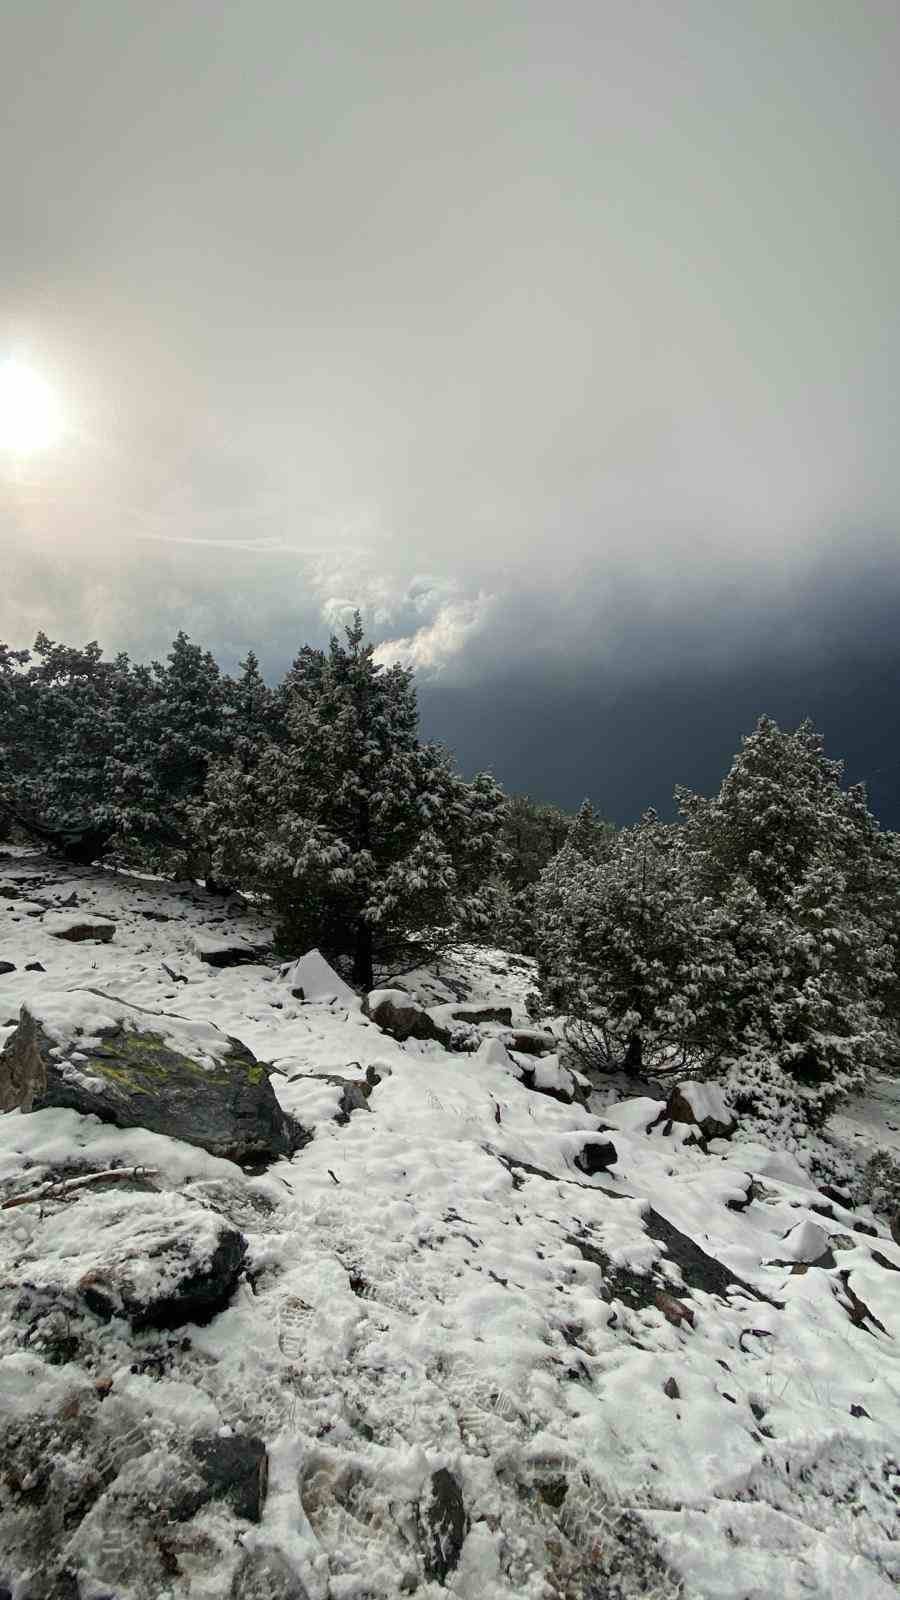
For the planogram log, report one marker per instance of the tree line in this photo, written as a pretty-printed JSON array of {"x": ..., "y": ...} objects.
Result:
[{"x": 756, "y": 939}]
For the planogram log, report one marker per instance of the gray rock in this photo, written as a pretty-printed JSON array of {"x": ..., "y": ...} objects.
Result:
[
  {"x": 235, "y": 1470},
  {"x": 265, "y": 1575},
  {"x": 446, "y": 1525},
  {"x": 595, "y": 1156},
  {"x": 476, "y": 1014},
  {"x": 157, "y": 1260},
  {"x": 6, "y": 966},
  {"x": 135, "y": 1080},
  {"x": 396, "y": 1014},
  {"x": 700, "y": 1106},
  {"x": 79, "y": 930},
  {"x": 354, "y": 1091},
  {"x": 23, "y": 1075}
]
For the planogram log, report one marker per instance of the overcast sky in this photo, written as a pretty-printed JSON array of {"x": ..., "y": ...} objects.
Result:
[{"x": 561, "y": 336}]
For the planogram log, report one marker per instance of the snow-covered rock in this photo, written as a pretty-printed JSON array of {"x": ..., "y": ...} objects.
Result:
[
  {"x": 701, "y": 1105},
  {"x": 101, "y": 1057},
  {"x": 77, "y": 927},
  {"x": 395, "y": 1013},
  {"x": 312, "y": 979}
]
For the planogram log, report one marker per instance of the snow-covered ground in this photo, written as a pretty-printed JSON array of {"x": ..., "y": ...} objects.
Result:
[{"x": 434, "y": 1283}]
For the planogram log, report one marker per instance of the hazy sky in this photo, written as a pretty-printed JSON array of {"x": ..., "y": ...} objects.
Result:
[{"x": 561, "y": 337}]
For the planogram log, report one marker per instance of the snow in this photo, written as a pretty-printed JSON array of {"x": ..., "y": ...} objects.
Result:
[{"x": 414, "y": 1301}]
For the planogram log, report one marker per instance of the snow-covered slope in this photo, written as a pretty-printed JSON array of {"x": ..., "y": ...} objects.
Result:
[{"x": 472, "y": 1365}]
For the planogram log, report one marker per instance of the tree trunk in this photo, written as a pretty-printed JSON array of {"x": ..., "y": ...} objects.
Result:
[
  {"x": 634, "y": 1055},
  {"x": 363, "y": 968}
]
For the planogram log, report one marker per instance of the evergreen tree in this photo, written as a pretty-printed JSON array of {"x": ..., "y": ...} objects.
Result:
[
  {"x": 374, "y": 841},
  {"x": 622, "y": 952},
  {"x": 803, "y": 887},
  {"x": 69, "y": 733}
]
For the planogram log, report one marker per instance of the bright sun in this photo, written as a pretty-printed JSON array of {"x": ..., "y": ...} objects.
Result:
[{"x": 30, "y": 413}]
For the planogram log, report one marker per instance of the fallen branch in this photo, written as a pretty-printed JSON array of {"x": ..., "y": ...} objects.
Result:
[{"x": 61, "y": 1191}]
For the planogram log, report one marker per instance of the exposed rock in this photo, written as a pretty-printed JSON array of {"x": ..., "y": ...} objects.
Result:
[
  {"x": 596, "y": 1155},
  {"x": 354, "y": 1092},
  {"x": 233, "y": 1469},
  {"x": 134, "y": 1079},
  {"x": 78, "y": 929},
  {"x": 476, "y": 1014},
  {"x": 396, "y": 1014},
  {"x": 5, "y": 967},
  {"x": 217, "y": 952},
  {"x": 702, "y": 1106},
  {"x": 23, "y": 1076},
  {"x": 531, "y": 1042},
  {"x": 671, "y": 1389},
  {"x": 265, "y": 1575},
  {"x": 156, "y": 1259},
  {"x": 446, "y": 1524},
  {"x": 34, "y": 966}
]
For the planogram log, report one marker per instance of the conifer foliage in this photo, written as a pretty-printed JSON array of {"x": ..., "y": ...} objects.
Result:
[
  {"x": 757, "y": 940},
  {"x": 373, "y": 842}
]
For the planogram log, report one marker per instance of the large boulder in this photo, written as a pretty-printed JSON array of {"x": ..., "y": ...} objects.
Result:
[
  {"x": 158, "y": 1260},
  {"x": 128, "y": 1071},
  {"x": 396, "y": 1013},
  {"x": 699, "y": 1105}
]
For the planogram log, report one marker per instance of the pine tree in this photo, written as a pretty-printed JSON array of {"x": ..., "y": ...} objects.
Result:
[
  {"x": 802, "y": 887},
  {"x": 70, "y": 769},
  {"x": 622, "y": 952},
  {"x": 374, "y": 841}
]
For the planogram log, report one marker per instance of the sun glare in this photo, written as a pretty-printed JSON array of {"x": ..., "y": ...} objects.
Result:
[{"x": 30, "y": 413}]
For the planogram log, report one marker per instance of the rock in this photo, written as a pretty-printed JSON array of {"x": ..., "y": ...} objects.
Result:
[
  {"x": 476, "y": 1014},
  {"x": 233, "y": 1469},
  {"x": 671, "y": 1389},
  {"x": 549, "y": 1077},
  {"x": 807, "y": 1243},
  {"x": 702, "y": 1106},
  {"x": 134, "y": 1079},
  {"x": 34, "y": 966},
  {"x": 354, "y": 1092},
  {"x": 396, "y": 1014},
  {"x": 265, "y": 1575},
  {"x": 596, "y": 1155},
  {"x": 446, "y": 1525},
  {"x": 895, "y": 1227},
  {"x": 311, "y": 978},
  {"x": 5, "y": 967},
  {"x": 531, "y": 1042},
  {"x": 78, "y": 929},
  {"x": 217, "y": 952},
  {"x": 157, "y": 1259},
  {"x": 23, "y": 1075}
]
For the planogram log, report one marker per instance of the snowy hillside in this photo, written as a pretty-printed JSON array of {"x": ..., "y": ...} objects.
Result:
[{"x": 447, "y": 1339}]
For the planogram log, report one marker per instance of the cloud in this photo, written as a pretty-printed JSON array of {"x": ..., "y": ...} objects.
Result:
[{"x": 438, "y": 641}]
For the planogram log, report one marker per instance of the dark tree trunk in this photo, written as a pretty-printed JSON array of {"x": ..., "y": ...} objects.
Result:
[
  {"x": 363, "y": 967},
  {"x": 634, "y": 1055}
]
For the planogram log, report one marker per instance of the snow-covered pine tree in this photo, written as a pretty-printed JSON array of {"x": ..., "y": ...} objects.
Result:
[
  {"x": 801, "y": 886},
  {"x": 187, "y": 731},
  {"x": 71, "y": 768},
  {"x": 373, "y": 843},
  {"x": 622, "y": 952},
  {"x": 231, "y": 815}
]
